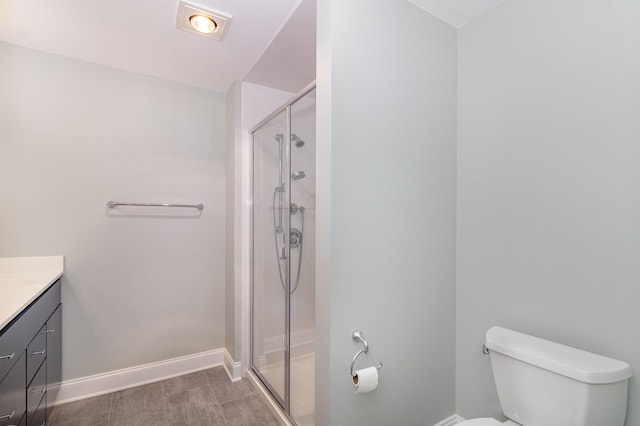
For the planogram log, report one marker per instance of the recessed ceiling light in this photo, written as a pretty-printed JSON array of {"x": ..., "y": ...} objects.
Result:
[
  {"x": 197, "y": 20},
  {"x": 203, "y": 24}
]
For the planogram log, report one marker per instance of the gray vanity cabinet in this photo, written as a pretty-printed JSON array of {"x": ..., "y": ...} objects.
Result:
[{"x": 30, "y": 360}]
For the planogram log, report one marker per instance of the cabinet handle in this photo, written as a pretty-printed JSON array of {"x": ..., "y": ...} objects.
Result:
[
  {"x": 8, "y": 416},
  {"x": 7, "y": 357},
  {"x": 39, "y": 352},
  {"x": 40, "y": 390},
  {"x": 53, "y": 330}
]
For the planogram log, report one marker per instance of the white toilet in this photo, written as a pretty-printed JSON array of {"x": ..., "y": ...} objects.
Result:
[{"x": 542, "y": 383}]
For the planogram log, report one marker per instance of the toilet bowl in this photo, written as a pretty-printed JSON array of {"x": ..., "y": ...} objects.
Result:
[{"x": 544, "y": 383}]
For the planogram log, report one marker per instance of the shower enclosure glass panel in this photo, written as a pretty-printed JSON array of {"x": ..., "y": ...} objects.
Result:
[
  {"x": 303, "y": 271},
  {"x": 271, "y": 256},
  {"x": 283, "y": 274}
]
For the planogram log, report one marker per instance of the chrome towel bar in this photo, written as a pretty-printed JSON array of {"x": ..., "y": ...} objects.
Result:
[{"x": 113, "y": 204}]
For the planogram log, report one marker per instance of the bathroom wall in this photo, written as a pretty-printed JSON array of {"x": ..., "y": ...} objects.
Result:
[
  {"x": 548, "y": 184},
  {"x": 386, "y": 177},
  {"x": 141, "y": 285},
  {"x": 233, "y": 223}
]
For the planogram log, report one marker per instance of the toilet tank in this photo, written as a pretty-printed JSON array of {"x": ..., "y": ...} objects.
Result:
[{"x": 543, "y": 383}]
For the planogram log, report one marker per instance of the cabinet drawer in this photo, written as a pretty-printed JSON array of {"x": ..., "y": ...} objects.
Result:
[
  {"x": 36, "y": 392},
  {"x": 36, "y": 353},
  {"x": 12, "y": 399},
  {"x": 42, "y": 308},
  {"x": 13, "y": 340}
]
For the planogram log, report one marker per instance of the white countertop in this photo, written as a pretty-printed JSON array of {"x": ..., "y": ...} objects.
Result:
[{"x": 23, "y": 280}]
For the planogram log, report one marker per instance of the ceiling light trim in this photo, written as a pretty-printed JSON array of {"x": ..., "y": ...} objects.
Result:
[{"x": 186, "y": 11}]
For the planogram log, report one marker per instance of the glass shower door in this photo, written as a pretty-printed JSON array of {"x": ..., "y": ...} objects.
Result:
[
  {"x": 270, "y": 275},
  {"x": 283, "y": 256}
]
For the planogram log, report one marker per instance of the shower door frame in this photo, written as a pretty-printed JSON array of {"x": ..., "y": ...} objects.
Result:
[{"x": 285, "y": 403}]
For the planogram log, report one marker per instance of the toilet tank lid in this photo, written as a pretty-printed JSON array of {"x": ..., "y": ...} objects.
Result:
[{"x": 575, "y": 363}]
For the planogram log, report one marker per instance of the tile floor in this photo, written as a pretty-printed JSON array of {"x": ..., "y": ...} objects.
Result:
[{"x": 207, "y": 397}]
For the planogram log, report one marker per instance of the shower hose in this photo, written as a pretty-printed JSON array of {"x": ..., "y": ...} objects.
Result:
[{"x": 275, "y": 241}]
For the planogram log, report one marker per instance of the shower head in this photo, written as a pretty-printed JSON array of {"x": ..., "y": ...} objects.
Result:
[
  {"x": 296, "y": 140},
  {"x": 298, "y": 175}
]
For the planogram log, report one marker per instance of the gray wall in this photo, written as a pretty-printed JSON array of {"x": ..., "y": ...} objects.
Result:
[
  {"x": 232, "y": 126},
  {"x": 386, "y": 211},
  {"x": 548, "y": 184},
  {"x": 140, "y": 285}
]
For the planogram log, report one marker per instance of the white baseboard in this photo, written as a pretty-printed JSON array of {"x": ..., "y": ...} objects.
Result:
[
  {"x": 100, "y": 384},
  {"x": 450, "y": 421},
  {"x": 232, "y": 368}
]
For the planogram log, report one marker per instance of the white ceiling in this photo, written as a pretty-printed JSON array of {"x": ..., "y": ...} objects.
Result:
[
  {"x": 457, "y": 13},
  {"x": 141, "y": 35},
  {"x": 290, "y": 61},
  {"x": 268, "y": 42}
]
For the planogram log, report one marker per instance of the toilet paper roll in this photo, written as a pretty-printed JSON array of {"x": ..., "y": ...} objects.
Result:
[{"x": 365, "y": 380}]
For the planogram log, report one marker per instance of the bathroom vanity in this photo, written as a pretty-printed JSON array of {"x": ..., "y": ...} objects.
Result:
[{"x": 30, "y": 338}]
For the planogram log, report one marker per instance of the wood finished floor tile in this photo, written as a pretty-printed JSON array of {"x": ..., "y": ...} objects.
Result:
[
  {"x": 142, "y": 405},
  {"x": 225, "y": 390},
  {"x": 248, "y": 411},
  {"x": 178, "y": 384},
  {"x": 194, "y": 407},
  {"x": 205, "y": 398},
  {"x": 87, "y": 412}
]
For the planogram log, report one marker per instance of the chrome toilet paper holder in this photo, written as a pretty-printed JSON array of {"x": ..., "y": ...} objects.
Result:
[{"x": 357, "y": 336}]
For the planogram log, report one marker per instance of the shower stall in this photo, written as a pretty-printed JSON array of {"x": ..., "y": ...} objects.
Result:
[{"x": 283, "y": 256}]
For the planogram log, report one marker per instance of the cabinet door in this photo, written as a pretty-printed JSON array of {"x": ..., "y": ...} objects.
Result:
[
  {"x": 12, "y": 394},
  {"x": 54, "y": 354},
  {"x": 36, "y": 393}
]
